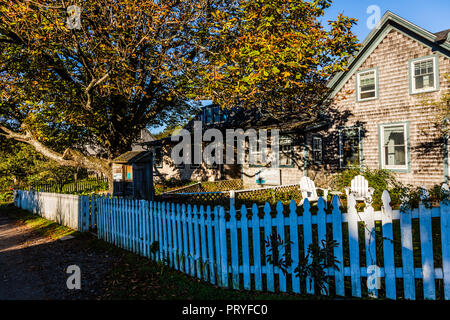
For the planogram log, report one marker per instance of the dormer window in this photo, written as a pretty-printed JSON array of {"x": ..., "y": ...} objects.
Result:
[{"x": 213, "y": 114}]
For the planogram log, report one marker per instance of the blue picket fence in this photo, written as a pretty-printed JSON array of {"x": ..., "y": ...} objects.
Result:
[{"x": 227, "y": 248}]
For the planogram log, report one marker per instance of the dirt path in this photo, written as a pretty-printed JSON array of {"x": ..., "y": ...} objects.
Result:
[{"x": 34, "y": 267}]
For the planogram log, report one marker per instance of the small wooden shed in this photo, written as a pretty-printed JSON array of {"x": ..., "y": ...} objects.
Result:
[{"x": 133, "y": 175}]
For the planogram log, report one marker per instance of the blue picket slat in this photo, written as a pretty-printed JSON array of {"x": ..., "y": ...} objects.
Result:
[
  {"x": 180, "y": 239},
  {"x": 426, "y": 241},
  {"x": 322, "y": 231},
  {"x": 256, "y": 248},
  {"x": 307, "y": 239},
  {"x": 185, "y": 239},
  {"x": 293, "y": 231},
  {"x": 280, "y": 232},
  {"x": 223, "y": 248},
  {"x": 267, "y": 233},
  {"x": 338, "y": 250},
  {"x": 234, "y": 248},
  {"x": 169, "y": 233},
  {"x": 355, "y": 268},
  {"x": 407, "y": 255},
  {"x": 191, "y": 241},
  {"x": 204, "y": 243},
  {"x": 211, "y": 258},
  {"x": 388, "y": 247},
  {"x": 217, "y": 242},
  {"x": 175, "y": 237},
  {"x": 445, "y": 243},
  {"x": 196, "y": 242},
  {"x": 245, "y": 249},
  {"x": 371, "y": 255},
  {"x": 160, "y": 235}
]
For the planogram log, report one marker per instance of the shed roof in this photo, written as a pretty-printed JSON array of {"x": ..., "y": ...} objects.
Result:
[{"x": 132, "y": 157}]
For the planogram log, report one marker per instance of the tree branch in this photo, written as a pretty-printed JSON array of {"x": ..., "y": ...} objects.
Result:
[{"x": 70, "y": 157}]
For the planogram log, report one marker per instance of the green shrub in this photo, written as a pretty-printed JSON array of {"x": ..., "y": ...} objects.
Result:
[
  {"x": 402, "y": 197},
  {"x": 6, "y": 196},
  {"x": 379, "y": 179}
]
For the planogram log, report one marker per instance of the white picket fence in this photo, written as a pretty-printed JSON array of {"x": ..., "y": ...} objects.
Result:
[
  {"x": 62, "y": 208},
  {"x": 228, "y": 249}
]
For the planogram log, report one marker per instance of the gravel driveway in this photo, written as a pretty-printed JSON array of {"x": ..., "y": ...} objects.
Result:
[{"x": 34, "y": 267}]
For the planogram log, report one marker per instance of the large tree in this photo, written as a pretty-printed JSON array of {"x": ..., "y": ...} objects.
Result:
[{"x": 69, "y": 83}]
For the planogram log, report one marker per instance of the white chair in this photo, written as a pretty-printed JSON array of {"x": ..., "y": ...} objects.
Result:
[
  {"x": 360, "y": 190},
  {"x": 309, "y": 190}
]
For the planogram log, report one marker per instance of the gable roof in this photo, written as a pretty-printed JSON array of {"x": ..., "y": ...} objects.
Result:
[
  {"x": 378, "y": 33},
  {"x": 442, "y": 36}
]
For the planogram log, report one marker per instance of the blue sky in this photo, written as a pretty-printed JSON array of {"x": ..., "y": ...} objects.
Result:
[{"x": 432, "y": 15}]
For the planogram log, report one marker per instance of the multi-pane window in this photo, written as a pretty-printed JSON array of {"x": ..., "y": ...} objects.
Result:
[
  {"x": 213, "y": 114},
  {"x": 193, "y": 164},
  {"x": 211, "y": 161},
  {"x": 207, "y": 115},
  {"x": 423, "y": 77},
  {"x": 182, "y": 164},
  {"x": 349, "y": 147},
  {"x": 260, "y": 156},
  {"x": 394, "y": 146},
  {"x": 285, "y": 151},
  {"x": 367, "y": 84},
  {"x": 317, "y": 149},
  {"x": 158, "y": 157}
]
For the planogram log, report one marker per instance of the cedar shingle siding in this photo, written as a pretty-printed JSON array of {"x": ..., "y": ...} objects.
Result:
[{"x": 394, "y": 104}]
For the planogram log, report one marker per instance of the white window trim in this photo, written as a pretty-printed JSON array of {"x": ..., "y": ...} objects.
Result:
[
  {"x": 154, "y": 157},
  {"x": 341, "y": 152},
  {"x": 435, "y": 74},
  {"x": 383, "y": 158},
  {"x": 358, "y": 90},
  {"x": 285, "y": 141}
]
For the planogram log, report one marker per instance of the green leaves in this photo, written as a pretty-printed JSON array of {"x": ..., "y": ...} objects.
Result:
[
  {"x": 126, "y": 68},
  {"x": 282, "y": 50}
]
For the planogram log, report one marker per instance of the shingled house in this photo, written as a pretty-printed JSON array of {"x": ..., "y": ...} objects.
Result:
[
  {"x": 375, "y": 118},
  {"x": 378, "y": 117}
]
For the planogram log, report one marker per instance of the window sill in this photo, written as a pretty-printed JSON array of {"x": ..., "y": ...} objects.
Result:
[
  {"x": 424, "y": 91},
  {"x": 286, "y": 166},
  {"x": 368, "y": 99},
  {"x": 400, "y": 170}
]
